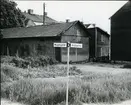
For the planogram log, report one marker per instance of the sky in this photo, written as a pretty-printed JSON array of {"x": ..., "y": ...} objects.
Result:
[{"x": 89, "y": 12}]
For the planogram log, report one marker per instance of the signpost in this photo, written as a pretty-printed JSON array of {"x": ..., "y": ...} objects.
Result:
[{"x": 68, "y": 45}]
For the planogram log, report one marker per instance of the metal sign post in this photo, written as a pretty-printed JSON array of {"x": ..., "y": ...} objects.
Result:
[
  {"x": 68, "y": 45},
  {"x": 68, "y": 59}
]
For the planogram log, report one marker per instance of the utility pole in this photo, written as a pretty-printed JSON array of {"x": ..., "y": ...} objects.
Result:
[
  {"x": 44, "y": 14},
  {"x": 95, "y": 39}
]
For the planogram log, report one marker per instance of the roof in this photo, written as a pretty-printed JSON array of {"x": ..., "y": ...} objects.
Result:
[
  {"x": 87, "y": 25},
  {"x": 125, "y": 8},
  {"x": 38, "y": 31},
  {"x": 99, "y": 29},
  {"x": 39, "y": 18}
]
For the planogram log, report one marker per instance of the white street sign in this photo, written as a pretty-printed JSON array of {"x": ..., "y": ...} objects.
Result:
[
  {"x": 68, "y": 45},
  {"x": 76, "y": 45},
  {"x": 60, "y": 44}
]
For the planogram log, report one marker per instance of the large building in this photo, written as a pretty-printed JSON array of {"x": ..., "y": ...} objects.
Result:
[
  {"x": 38, "y": 40},
  {"x": 121, "y": 34}
]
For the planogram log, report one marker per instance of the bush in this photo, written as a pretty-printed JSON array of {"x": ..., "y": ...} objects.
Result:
[
  {"x": 28, "y": 61},
  {"x": 15, "y": 61},
  {"x": 104, "y": 59},
  {"x": 127, "y": 66},
  {"x": 10, "y": 73},
  {"x": 40, "y": 61}
]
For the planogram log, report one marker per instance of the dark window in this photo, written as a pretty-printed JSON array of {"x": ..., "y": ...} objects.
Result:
[
  {"x": 39, "y": 49},
  {"x": 24, "y": 50}
]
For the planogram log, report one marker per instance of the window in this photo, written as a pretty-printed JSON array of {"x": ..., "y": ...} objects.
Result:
[
  {"x": 102, "y": 38},
  {"x": 78, "y": 32},
  {"x": 39, "y": 49},
  {"x": 101, "y": 51}
]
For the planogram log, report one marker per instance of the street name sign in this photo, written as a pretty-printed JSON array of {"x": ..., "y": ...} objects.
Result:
[
  {"x": 76, "y": 45},
  {"x": 68, "y": 45},
  {"x": 60, "y": 44}
]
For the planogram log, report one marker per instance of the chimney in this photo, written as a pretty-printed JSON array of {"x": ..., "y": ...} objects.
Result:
[
  {"x": 30, "y": 11},
  {"x": 67, "y": 20},
  {"x": 45, "y": 13}
]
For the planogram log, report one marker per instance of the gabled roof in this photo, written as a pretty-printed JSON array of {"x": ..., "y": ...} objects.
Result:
[
  {"x": 124, "y": 8},
  {"x": 87, "y": 25},
  {"x": 100, "y": 30},
  {"x": 39, "y": 31},
  {"x": 39, "y": 18}
]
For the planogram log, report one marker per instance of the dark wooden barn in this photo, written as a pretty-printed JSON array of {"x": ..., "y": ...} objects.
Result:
[
  {"x": 38, "y": 40},
  {"x": 98, "y": 43},
  {"x": 121, "y": 34}
]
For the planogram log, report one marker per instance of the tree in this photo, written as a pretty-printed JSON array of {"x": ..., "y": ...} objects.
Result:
[{"x": 10, "y": 15}]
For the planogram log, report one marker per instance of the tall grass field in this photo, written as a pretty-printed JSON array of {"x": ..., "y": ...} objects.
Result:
[{"x": 47, "y": 85}]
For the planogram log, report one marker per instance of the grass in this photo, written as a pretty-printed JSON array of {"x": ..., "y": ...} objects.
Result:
[
  {"x": 43, "y": 86},
  {"x": 92, "y": 88}
]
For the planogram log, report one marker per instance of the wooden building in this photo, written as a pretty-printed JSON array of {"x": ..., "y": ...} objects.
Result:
[
  {"x": 98, "y": 43},
  {"x": 121, "y": 34},
  {"x": 38, "y": 40}
]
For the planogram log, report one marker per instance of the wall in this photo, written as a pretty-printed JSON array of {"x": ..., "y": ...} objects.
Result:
[
  {"x": 29, "y": 46},
  {"x": 76, "y": 35},
  {"x": 121, "y": 36},
  {"x": 102, "y": 44}
]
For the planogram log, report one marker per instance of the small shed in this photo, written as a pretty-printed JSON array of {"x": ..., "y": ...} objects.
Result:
[{"x": 38, "y": 40}]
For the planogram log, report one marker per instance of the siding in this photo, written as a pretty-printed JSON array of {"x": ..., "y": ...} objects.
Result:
[
  {"x": 41, "y": 46},
  {"x": 102, "y": 45},
  {"x": 75, "y": 37},
  {"x": 121, "y": 36}
]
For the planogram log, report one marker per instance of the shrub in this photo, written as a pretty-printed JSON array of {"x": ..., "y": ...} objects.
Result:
[
  {"x": 31, "y": 61},
  {"x": 40, "y": 61},
  {"x": 16, "y": 61},
  {"x": 127, "y": 66},
  {"x": 10, "y": 73}
]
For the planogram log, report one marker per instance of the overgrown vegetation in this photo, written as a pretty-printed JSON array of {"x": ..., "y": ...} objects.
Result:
[
  {"x": 92, "y": 88},
  {"x": 37, "y": 61},
  {"x": 43, "y": 86},
  {"x": 127, "y": 66}
]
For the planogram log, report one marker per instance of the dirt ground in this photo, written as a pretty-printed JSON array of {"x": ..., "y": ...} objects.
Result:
[
  {"x": 100, "y": 68},
  {"x": 97, "y": 68},
  {"x": 122, "y": 103},
  {"x": 8, "y": 102}
]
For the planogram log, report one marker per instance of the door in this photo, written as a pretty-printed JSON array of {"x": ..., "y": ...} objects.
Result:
[{"x": 58, "y": 54}]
